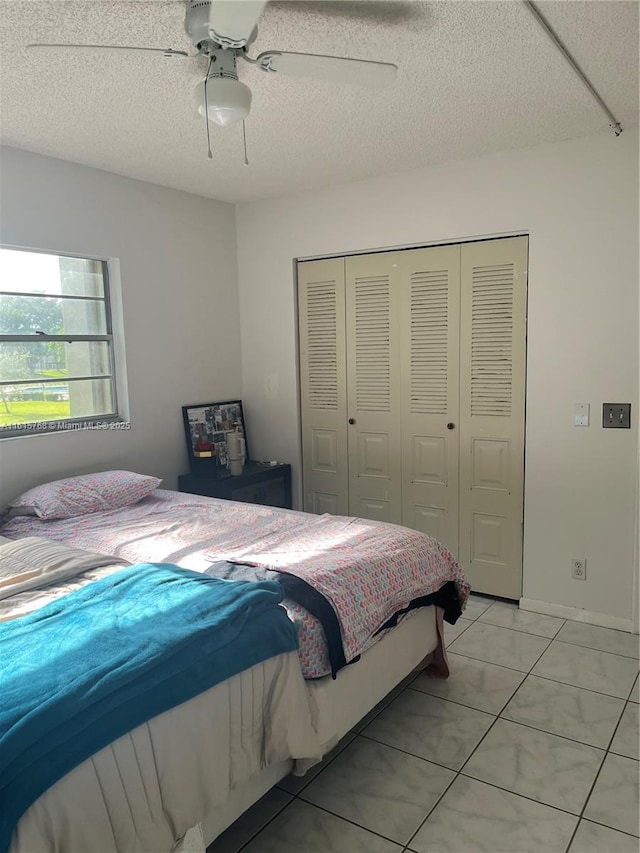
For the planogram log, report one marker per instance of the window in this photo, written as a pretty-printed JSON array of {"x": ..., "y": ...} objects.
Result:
[{"x": 56, "y": 344}]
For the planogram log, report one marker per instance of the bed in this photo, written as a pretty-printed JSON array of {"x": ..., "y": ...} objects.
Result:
[{"x": 199, "y": 533}]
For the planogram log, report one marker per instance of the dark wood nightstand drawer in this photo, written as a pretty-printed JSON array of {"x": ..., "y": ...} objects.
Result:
[
  {"x": 270, "y": 493},
  {"x": 258, "y": 484}
]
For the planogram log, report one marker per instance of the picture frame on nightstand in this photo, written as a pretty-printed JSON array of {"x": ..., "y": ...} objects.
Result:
[{"x": 206, "y": 426}]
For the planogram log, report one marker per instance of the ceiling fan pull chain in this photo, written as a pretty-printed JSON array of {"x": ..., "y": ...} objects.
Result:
[
  {"x": 244, "y": 139},
  {"x": 206, "y": 110}
]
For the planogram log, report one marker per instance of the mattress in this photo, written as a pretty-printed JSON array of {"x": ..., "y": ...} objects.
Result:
[{"x": 190, "y": 531}]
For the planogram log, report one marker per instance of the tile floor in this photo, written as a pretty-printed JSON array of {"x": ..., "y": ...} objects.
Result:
[{"x": 531, "y": 746}]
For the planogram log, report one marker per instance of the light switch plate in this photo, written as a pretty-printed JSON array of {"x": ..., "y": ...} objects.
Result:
[
  {"x": 581, "y": 417},
  {"x": 616, "y": 415}
]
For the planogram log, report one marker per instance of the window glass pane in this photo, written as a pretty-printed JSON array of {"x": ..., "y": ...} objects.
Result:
[
  {"x": 52, "y": 361},
  {"x": 20, "y": 404},
  {"x": 46, "y": 384},
  {"x": 23, "y": 315},
  {"x": 34, "y": 272}
]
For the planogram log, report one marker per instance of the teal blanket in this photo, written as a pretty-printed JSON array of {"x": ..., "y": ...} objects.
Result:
[{"x": 89, "y": 667}]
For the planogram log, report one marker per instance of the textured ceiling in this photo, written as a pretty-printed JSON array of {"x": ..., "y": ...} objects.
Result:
[{"x": 475, "y": 77}]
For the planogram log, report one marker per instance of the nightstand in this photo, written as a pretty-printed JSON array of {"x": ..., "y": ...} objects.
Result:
[{"x": 269, "y": 485}]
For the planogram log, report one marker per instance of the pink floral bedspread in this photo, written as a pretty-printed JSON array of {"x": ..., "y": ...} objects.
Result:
[{"x": 368, "y": 570}]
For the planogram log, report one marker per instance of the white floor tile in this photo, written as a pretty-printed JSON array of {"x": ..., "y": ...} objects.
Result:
[
  {"x": 302, "y": 828},
  {"x": 635, "y": 692},
  {"x": 430, "y": 728},
  {"x": 477, "y": 818},
  {"x": 251, "y": 822},
  {"x": 379, "y": 788},
  {"x": 588, "y": 668},
  {"x": 501, "y": 646},
  {"x": 593, "y": 838},
  {"x": 626, "y": 739},
  {"x": 476, "y": 606},
  {"x": 546, "y": 768},
  {"x": 565, "y": 710},
  {"x": 476, "y": 683},
  {"x": 451, "y": 632},
  {"x": 615, "y": 798},
  {"x": 510, "y": 616},
  {"x": 603, "y": 639},
  {"x": 527, "y": 775}
]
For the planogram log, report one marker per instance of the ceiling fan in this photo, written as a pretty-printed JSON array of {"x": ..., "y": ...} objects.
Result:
[{"x": 222, "y": 31}]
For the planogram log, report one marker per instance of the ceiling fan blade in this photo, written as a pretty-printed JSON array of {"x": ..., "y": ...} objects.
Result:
[
  {"x": 350, "y": 72},
  {"x": 384, "y": 11},
  {"x": 166, "y": 51},
  {"x": 231, "y": 22}
]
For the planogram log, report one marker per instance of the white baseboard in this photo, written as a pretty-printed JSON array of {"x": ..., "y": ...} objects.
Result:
[{"x": 592, "y": 617}]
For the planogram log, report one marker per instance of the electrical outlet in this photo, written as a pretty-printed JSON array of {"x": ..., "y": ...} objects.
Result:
[{"x": 579, "y": 569}]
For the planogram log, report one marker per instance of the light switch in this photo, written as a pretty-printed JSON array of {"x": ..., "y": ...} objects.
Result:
[
  {"x": 616, "y": 415},
  {"x": 581, "y": 417}
]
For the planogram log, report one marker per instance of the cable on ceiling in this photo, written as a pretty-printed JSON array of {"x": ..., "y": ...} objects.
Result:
[{"x": 614, "y": 124}]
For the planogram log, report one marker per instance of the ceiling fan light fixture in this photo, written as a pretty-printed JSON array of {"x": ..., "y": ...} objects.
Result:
[{"x": 228, "y": 100}]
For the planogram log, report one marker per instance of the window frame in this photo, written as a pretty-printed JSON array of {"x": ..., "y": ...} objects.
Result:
[{"x": 71, "y": 424}]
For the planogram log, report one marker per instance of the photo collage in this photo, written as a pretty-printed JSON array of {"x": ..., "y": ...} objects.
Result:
[{"x": 209, "y": 425}]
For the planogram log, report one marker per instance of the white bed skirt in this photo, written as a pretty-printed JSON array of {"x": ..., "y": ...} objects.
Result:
[
  {"x": 151, "y": 786},
  {"x": 136, "y": 795}
]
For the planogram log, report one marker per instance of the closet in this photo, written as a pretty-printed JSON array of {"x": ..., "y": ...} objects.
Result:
[{"x": 412, "y": 382}]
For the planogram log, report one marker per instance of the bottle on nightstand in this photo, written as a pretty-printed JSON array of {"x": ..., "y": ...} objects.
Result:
[{"x": 236, "y": 451}]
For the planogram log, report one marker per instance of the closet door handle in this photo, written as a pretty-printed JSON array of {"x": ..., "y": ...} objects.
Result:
[
  {"x": 352, "y": 421},
  {"x": 451, "y": 425}
]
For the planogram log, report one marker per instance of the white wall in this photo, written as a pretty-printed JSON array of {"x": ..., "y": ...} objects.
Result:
[
  {"x": 178, "y": 273},
  {"x": 578, "y": 200}
]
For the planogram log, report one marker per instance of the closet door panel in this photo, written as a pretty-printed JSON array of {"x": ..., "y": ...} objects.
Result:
[
  {"x": 373, "y": 386},
  {"x": 492, "y": 397},
  {"x": 322, "y": 386},
  {"x": 430, "y": 383}
]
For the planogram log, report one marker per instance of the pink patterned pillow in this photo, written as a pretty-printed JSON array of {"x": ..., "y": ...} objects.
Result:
[{"x": 85, "y": 494}]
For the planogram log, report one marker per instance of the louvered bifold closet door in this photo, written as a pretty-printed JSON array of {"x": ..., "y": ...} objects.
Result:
[
  {"x": 321, "y": 302},
  {"x": 492, "y": 395},
  {"x": 430, "y": 375},
  {"x": 373, "y": 386}
]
